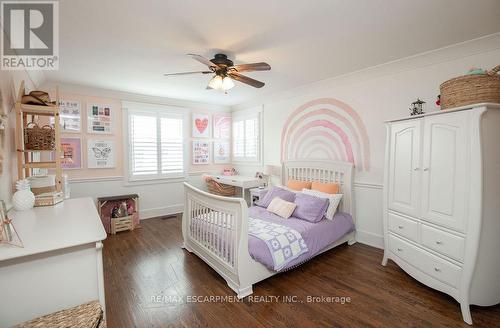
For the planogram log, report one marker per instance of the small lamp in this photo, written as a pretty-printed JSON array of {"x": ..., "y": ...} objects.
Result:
[{"x": 272, "y": 171}]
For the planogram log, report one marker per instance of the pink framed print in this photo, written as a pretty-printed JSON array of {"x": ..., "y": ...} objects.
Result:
[
  {"x": 201, "y": 126},
  {"x": 222, "y": 126},
  {"x": 71, "y": 153}
]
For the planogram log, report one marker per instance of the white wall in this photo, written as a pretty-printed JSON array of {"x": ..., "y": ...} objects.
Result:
[{"x": 376, "y": 94}]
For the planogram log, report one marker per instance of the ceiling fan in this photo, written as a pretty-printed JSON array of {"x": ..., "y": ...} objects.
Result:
[{"x": 225, "y": 72}]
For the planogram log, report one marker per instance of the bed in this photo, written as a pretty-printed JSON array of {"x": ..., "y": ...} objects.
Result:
[{"x": 216, "y": 228}]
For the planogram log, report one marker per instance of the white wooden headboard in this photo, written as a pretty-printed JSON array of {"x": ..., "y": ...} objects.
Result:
[{"x": 323, "y": 171}]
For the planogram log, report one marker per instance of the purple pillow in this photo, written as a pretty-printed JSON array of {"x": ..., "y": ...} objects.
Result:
[
  {"x": 273, "y": 193},
  {"x": 310, "y": 208}
]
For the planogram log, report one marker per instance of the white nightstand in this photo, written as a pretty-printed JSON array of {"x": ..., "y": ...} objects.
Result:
[{"x": 256, "y": 194}]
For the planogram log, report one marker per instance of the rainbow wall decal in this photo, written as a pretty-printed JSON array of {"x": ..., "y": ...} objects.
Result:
[{"x": 326, "y": 128}]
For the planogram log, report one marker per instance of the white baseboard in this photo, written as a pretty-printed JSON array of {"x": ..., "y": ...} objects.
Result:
[
  {"x": 160, "y": 211},
  {"x": 370, "y": 239}
]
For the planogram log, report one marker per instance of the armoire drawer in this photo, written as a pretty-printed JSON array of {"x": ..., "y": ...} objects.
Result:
[
  {"x": 425, "y": 261},
  {"x": 402, "y": 226},
  {"x": 443, "y": 242}
]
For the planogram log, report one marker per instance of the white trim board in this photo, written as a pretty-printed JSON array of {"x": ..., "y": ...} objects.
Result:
[
  {"x": 160, "y": 211},
  {"x": 370, "y": 239}
]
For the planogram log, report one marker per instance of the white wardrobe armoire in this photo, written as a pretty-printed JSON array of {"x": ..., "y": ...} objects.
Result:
[{"x": 442, "y": 201}]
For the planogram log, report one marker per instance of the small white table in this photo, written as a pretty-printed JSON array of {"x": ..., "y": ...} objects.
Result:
[
  {"x": 60, "y": 265},
  {"x": 256, "y": 194},
  {"x": 240, "y": 181}
]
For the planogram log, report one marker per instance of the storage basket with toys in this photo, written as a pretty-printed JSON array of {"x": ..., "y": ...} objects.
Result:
[
  {"x": 478, "y": 86},
  {"x": 119, "y": 213}
]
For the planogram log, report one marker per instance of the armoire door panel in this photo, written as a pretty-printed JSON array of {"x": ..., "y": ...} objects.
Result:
[
  {"x": 404, "y": 166},
  {"x": 444, "y": 184}
]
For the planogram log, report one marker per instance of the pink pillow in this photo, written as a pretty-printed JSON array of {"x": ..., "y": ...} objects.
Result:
[
  {"x": 281, "y": 207},
  {"x": 298, "y": 185},
  {"x": 327, "y": 188}
]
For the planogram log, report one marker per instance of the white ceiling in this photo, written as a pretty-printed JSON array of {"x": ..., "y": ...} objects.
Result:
[{"x": 127, "y": 45}]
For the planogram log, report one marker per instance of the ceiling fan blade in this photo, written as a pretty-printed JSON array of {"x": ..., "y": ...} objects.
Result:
[
  {"x": 202, "y": 60},
  {"x": 251, "y": 67},
  {"x": 246, "y": 80},
  {"x": 187, "y": 73}
]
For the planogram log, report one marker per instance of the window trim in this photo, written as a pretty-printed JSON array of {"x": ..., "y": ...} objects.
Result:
[
  {"x": 243, "y": 115},
  {"x": 129, "y": 108}
]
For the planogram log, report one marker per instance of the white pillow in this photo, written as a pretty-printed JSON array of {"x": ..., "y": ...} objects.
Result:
[
  {"x": 333, "y": 198},
  {"x": 281, "y": 207}
]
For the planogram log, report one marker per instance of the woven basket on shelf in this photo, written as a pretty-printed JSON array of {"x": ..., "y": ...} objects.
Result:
[
  {"x": 220, "y": 189},
  {"x": 471, "y": 89},
  {"x": 39, "y": 138}
]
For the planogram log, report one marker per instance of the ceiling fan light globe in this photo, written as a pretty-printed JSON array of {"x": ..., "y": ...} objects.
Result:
[
  {"x": 227, "y": 83},
  {"x": 215, "y": 82}
]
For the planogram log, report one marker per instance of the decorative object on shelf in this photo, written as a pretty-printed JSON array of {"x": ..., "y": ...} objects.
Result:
[
  {"x": 221, "y": 152},
  {"x": 49, "y": 198},
  {"x": 42, "y": 184},
  {"x": 8, "y": 233},
  {"x": 23, "y": 199},
  {"x": 201, "y": 125},
  {"x": 478, "y": 86},
  {"x": 438, "y": 101},
  {"x": 44, "y": 189},
  {"x": 66, "y": 189},
  {"x": 201, "y": 152},
  {"x": 100, "y": 154},
  {"x": 222, "y": 126},
  {"x": 119, "y": 213},
  {"x": 262, "y": 176},
  {"x": 39, "y": 138},
  {"x": 417, "y": 107},
  {"x": 99, "y": 119},
  {"x": 229, "y": 171},
  {"x": 38, "y": 98},
  {"x": 36, "y": 139}
]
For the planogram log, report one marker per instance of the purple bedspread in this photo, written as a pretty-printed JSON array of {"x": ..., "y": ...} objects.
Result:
[{"x": 316, "y": 235}]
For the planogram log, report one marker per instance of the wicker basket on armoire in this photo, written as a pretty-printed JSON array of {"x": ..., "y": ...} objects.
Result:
[{"x": 471, "y": 89}]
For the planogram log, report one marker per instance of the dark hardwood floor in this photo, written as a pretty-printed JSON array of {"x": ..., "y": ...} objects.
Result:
[{"x": 149, "y": 278}]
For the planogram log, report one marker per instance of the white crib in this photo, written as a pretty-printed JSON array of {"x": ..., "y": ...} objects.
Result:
[{"x": 215, "y": 228}]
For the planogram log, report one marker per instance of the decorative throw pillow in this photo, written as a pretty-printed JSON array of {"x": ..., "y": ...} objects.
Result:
[
  {"x": 334, "y": 201},
  {"x": 310, "y": 208},
  {"x": 328, "y": 188},
  {"x": 273, "y": 193},
  {"x": 298, "y": 185},
  {"x": 281, "y": 207}
]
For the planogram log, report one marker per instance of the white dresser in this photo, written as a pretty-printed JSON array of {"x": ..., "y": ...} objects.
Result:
[
  {"x": 442, "y": 201},
  {"x": 60, "y": 265}
]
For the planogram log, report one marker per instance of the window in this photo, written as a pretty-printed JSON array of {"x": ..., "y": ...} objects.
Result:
[
  {"x": 246, "y": 138},
  {"x": 156, "y": 144}
]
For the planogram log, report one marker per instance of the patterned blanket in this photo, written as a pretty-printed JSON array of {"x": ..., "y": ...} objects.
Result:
[{"x": 285, "y": 244}]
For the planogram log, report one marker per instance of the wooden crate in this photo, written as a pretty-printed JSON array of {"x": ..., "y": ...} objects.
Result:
[{"x": 121, "y": 224}]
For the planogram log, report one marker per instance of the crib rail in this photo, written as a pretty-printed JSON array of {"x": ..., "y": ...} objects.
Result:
[{"x": 215, "y": 228}]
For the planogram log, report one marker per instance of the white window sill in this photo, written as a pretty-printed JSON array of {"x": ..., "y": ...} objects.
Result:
[{"x": 152, "y": 181}]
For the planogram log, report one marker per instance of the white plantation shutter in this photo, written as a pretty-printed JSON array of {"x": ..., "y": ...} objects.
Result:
[
  {"x": 246, "y": 138},
  {"x": 156, "y": 144},
  {"x": 143, "y": 145},
  {"x": 239, "y": 139},
  {"x": 172, "y": 155}
]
